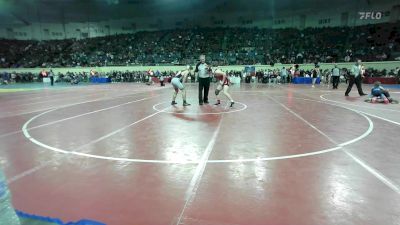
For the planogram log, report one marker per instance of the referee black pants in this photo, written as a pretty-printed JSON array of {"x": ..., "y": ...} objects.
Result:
[
  {"x": 204, "y": 84},
  {"x": 357, "y": 80}
]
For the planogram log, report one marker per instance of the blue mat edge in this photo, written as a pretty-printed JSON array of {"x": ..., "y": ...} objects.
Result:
[{"x": 55, "y": 220}]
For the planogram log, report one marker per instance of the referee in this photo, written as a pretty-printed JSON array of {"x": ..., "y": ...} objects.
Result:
[
  {"x": 356, "y": 76},
  {"x": 202, "y": 70}
]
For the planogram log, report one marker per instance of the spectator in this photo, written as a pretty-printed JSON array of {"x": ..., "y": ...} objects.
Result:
[
  {"x": 335, "y": 77},
  {"x": 284, "y": 75},
  {"x": 224, "y": 46}
]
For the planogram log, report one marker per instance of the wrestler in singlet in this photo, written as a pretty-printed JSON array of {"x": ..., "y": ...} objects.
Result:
[
  {"x": 177, "y": 84},
  {"x": 223, "y": 86}
]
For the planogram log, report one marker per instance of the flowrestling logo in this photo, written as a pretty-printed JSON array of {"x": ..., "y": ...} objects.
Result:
[{"x": 370, "y": 15}]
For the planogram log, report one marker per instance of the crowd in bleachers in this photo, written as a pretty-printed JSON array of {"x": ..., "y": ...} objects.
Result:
[
  {"x": 271, "y": 75},
  {"x": 67, "y": 77},
  {"x": 224, "y": 46}
]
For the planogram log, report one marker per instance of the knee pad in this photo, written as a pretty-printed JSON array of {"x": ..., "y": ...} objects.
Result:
[{"x": 217, "y": 91}]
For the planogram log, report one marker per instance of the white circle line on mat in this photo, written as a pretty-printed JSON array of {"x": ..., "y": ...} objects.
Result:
[
  {"x": 193, "y": 113},
  {"x": 240, "y": 160}
]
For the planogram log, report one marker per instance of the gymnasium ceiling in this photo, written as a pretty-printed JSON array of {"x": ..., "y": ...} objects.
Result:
[{"x": 14, "y": 12}]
